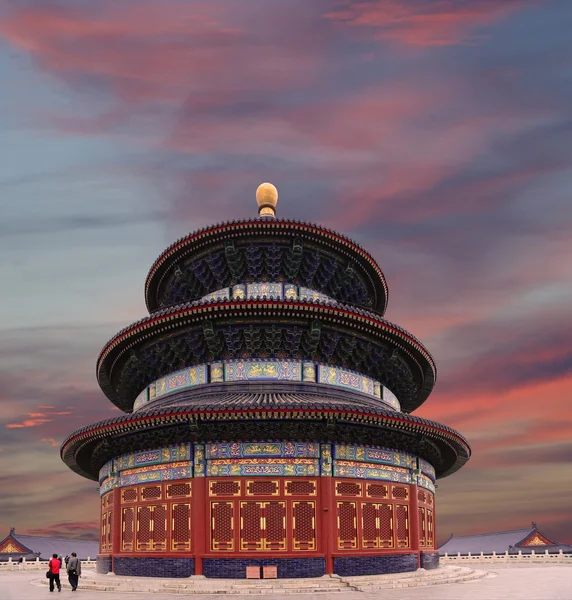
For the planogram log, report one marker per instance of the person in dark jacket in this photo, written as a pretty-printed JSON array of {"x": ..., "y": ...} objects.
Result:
[
  {"x": 74, "y": 571},
  {"x": 54, "y": 568}
]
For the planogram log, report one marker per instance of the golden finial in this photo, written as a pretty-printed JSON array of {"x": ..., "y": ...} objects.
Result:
[{"x": 267, "y": 198}]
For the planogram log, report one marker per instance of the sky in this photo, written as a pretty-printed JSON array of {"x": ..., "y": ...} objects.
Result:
[{"x": 436, "y": 133}]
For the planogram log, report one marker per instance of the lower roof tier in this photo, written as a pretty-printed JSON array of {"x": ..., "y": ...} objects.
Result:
[
  {"x": 246, "y": 412},
  {"x": 337, "y": 335}
]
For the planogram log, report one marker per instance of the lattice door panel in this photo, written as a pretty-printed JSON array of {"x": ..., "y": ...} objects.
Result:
[
  {"x": 103, "y": 534},
  {"x": 402, "y": 525},
  {"x": 369, "y": 525},
  {"x": 127, "y": 523},
  {"x": 109, "y": 531},
  {"x": 422, "y": 530},
  {"x": 304, "y": 525},
  {"x": 181, "y": 527},
  {"x": 144, "y": 528},
  {"x": 274, "y": 525},
  {"x": 251, "y": 525},
  {"x": 222, "y": 526},
  {"x": 347, "y": 525},
  {"x": 159, "y": 528},
  {"x": 385, "y": 512},
  {"x": 430, "y": 535}
]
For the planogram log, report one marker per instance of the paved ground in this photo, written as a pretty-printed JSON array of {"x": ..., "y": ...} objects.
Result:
[{"x": 550, "y": 582}]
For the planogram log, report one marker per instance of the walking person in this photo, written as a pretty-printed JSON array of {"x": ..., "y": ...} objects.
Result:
[
  {"x": 20, "y": 563},
  {"x": 54, "y": 570},
  {"x": 74, "y": 571}
]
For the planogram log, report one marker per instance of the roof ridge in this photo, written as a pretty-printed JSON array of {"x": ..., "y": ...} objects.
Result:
[
  {"x": 528, "y": 529},
  {"x": 52, "y": 537}
]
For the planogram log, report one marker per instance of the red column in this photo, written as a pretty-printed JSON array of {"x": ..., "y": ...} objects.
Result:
[
  {"x": 116, "y": 527},
  {"x": 434, "y": 521},
  {"x": 200, "y": 520},
  {"x": 329, "y": 522},
  {"x": 414, "y": 522}
]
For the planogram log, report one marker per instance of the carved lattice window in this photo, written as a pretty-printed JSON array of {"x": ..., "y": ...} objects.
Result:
[
  {"x": 151, "y": 493},
  {"x": 262, "y": 488},
  {"x": 300, "y": 488},
  {"x": 377, "y": 490},
  {"x": 400, "y": 492},
  {"x": 224, "y": 488},
  {"x": 347, "y": 488},
  {"x": 178, "y": 490}
]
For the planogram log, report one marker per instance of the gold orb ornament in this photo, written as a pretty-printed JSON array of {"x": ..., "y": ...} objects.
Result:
[{"x": 266, "y": 198}]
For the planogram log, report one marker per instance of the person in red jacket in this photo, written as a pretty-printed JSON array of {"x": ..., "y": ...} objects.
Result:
[{"x": 54, "y": 567}]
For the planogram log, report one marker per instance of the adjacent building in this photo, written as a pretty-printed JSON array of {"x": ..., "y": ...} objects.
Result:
[
  {"x": 526, "y": 540},
  {"x": 19, "y": 545}
]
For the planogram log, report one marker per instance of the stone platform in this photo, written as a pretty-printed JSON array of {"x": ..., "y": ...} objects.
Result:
[
  {"x": 327, "y": 584},
  {"x": 504, "y": 582}
]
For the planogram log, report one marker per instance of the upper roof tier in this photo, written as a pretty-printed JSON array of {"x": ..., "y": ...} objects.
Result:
[{"x": 265, "y": 249}]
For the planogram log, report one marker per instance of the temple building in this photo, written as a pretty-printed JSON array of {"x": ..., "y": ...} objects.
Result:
[
  {"x": 268, "y": 414},
  {"x": 20, "y": 545},
  {"x": 526, "y": 540}
]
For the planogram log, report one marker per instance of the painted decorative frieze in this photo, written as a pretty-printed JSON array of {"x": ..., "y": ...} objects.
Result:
[
  {"x": 424, "y": 482},
  {"x": 168, "y": 454},
  {"x": 287, "y": 467},
  {"x": 264, "y": 370},
  {"x": 376, "y": 455},
  {"x": 261, "y": 290},
  {"x": 359, "y": 470},
  {"x": 199, "y": 460},
  {"x": 427, "y": 469},
  {"x": 168, "y": 472},
  {"x": 108, "y": 484},
  {"x": 390, "y": 398},
  {"x": 260, "y": 370},
  {"x": 326, "y": 460},
  {"x": 262, "y": 450},
  {"x": 346, "y": 379}
]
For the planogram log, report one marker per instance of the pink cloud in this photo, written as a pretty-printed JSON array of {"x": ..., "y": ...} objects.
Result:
[{"x": 427, "y": 23}]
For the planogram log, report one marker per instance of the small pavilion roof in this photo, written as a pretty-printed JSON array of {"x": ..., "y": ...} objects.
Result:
[{"x": 44, "y": 546}]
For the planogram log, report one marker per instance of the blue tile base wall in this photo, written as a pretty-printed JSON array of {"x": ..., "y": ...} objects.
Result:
[
  {"x": 374, "y": 565},
  {"x": 430, "y": 560},
  {"x": 154, "y": 567},
  {"x": 235, "y": 568},
  {"x": 103, "y": 565}
]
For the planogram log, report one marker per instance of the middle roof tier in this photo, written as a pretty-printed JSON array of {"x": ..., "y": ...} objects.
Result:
[{"x": 328, "y": 333}]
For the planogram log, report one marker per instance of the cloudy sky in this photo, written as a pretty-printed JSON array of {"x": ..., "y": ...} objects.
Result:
[{"x": 437, "y": 133}]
